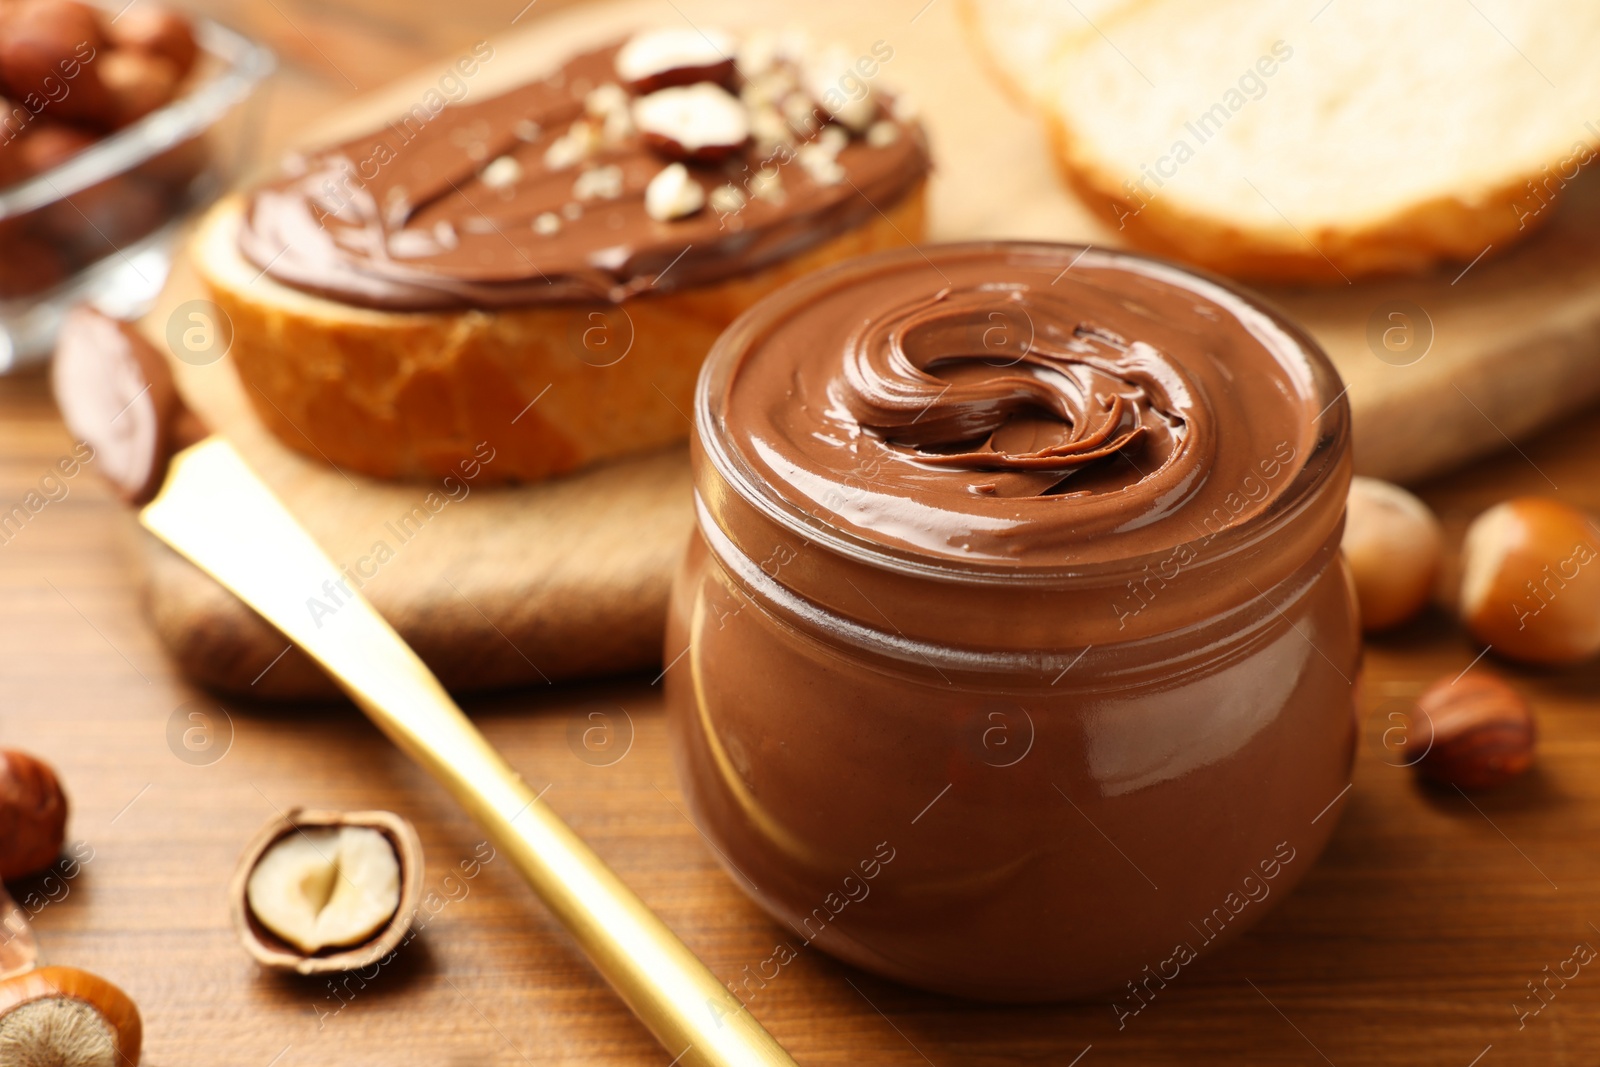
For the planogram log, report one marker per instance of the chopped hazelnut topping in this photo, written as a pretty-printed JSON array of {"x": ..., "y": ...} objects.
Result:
[
  {"x": 770, "y": 129},
  {"x": 765, "y": 184},
  {"x": 701, "y": 121},
  {"x": 502, "y": 173},
  {"x": 882, "y": 134},
  {"x": 655, "y": 59},
  {"x": 605, "y": 99},
  {"x": 599, "y": 183},
  {"x": 800, "y": 112},
  {"x": 673, "y": 194},
  {"x": 820, "y": 163},
  {"x": 831, "y": 79},
  {"x": 572, "y": 147},
  {"x": 726, "y": 199}
]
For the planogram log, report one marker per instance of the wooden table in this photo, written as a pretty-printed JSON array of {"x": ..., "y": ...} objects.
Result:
[{"x": 1411, "y": 942}]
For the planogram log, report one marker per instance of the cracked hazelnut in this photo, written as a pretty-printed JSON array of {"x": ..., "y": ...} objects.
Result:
[
  {"x": 33, "y": 815},
  {"x": 673, "y": 194},
  {"x": 63, "y": 1017},
  {"x": 325, "y": 891},
  {"x": 1393, "y": 545},
  {"x": 1478, "y": 731},
  {"x": 700, "y": 122},
  {"x": 1530, "y": 581},
  {"x": 659, "y": 59}
]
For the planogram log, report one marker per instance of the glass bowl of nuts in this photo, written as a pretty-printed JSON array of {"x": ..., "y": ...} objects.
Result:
[{"x": 115, "y": 125}]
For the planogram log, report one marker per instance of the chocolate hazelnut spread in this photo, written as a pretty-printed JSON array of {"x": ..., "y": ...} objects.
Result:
[
  {"x": 1017, "y": 563},
  {"x": 1015, "y": 414},
  {"x": 539, "y": 195}
]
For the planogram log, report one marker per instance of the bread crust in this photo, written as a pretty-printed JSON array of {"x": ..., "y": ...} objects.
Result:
[
  {"x": 1445, "y": 229},
  {"x": 551, "y": 389},
  {"x": 1454, "y": 226}
]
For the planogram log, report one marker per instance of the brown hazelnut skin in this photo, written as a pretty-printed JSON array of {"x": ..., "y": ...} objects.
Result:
[
  {"x": 156, "y": 31},
  {"x": 1530, "y": 584},
  {"x": 47, "y": 145},
  {"x": 1393, "y": 545},
  {"x": 722, "y": 73},
  {"x": 1478, "y": 730},
  {"x": 33, "y": 815},
  {"x": 139, "y": 83}
]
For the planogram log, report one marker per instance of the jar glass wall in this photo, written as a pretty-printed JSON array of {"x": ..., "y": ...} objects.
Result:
[{"x": 1013, "y": 779}]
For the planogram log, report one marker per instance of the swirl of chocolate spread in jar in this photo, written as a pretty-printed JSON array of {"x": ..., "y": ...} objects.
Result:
[
  {"x": 984, "y": 405},
  {"x": 539, "y": 195}
]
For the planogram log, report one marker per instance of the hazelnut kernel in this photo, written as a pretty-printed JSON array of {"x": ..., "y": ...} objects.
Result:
[
  {"x": 325, "y": 891},
  {"x": 1392, "y": 543},
  {"x": 1479, "y": 732},
  {"x": 1530, "y": 581}
]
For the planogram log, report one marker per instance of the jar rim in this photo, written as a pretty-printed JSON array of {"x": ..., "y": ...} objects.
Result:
[{"x": 1330, "y": 437}]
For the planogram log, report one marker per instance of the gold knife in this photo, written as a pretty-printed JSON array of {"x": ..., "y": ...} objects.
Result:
[{"x": 215, "y": 511}]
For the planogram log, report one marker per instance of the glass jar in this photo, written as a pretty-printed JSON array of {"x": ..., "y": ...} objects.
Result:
[{"x": 999, "y": 779}]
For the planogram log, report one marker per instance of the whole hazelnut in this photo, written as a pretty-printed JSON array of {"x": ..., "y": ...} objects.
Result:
[
  {"x": 1478, "y": 732},
  {"x": 64, "y": 1017},
  {"x": 33, "y": 815},
  {"x": 48, "y": 50},
  {"x": 1393, "y": 545},
  {"x": 156, "y": 31},
  {"x": 1530, "y": 583},
  {"x": 47, "y": 145},
  {"x": 139, "y": 83}
]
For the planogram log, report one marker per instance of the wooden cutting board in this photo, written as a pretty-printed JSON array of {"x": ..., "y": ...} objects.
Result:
[{"x": 570, "y": 579}]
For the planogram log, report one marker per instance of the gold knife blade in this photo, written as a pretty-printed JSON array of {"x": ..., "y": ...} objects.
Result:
[{"x": 215, "y": 511}]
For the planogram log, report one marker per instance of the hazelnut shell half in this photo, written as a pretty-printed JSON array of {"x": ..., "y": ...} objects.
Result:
[{"x": 272, "y": 951}]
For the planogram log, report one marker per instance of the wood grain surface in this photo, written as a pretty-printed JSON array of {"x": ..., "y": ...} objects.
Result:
[
  {"x": 1410, "y": 943},
  {"x": 1438, "y": 369}
]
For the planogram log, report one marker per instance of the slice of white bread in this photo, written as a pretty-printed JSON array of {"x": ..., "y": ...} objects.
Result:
[
  {"x": 1315, "y": 140},
  {"x": 1021, "y": 39},
  {"x": 417, "y": 394}
]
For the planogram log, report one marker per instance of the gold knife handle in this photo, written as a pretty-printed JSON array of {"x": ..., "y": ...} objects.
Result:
[{"x": 217, "y": 513}]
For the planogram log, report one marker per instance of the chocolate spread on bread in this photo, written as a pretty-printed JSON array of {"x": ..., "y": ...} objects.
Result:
[{"x": 538, "y": 195}]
